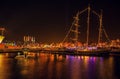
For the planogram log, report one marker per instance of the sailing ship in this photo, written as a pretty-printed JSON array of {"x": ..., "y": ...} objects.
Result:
[{"x": 88, "y": 49}]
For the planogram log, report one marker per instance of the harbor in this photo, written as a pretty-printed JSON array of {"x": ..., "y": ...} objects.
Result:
[
  {"x": 59, "y": 39},
  {"x": 69, "y": 46}
]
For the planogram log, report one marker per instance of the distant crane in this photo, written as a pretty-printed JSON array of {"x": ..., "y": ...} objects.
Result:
[
  {"x": 2, "y": 34},
  {"x": 2, "y": 31}
]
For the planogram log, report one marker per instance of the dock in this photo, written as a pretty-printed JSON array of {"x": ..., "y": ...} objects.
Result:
[{"x": 14, "y": 52}]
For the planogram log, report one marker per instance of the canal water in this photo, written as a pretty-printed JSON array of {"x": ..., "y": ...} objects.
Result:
[{"x": 51, "y": 66}]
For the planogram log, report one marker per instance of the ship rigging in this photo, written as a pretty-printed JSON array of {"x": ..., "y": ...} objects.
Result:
[{"x": 75, "y": 27}]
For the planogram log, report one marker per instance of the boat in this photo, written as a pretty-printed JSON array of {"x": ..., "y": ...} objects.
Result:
[
  {"x": 94, "y": 51},
  {"x": 20, "y": 56},
  {"x": 87, "y": 49}
]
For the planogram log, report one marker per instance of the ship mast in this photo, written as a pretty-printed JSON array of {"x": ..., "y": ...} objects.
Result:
[
  {"x": 76, "y": 29},
  {"x": 88, "y": 21},
  {"x": 76, "y": 24},
  {"x": 100, "y": 28}
]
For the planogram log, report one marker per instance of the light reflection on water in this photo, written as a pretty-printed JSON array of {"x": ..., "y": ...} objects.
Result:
[{"x": 51, "y": 66}]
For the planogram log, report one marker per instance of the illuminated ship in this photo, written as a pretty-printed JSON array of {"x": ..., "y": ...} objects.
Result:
[{"x": 87, "y": 48}]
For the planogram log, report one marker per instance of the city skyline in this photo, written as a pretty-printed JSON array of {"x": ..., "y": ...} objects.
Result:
[{"x": 49, "y": 21}]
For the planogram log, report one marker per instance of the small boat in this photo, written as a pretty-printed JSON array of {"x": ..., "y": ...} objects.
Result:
[{"x": 19, "y": 56}]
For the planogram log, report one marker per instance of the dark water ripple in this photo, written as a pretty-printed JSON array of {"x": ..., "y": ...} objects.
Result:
[{"x": 50, "y": 66}]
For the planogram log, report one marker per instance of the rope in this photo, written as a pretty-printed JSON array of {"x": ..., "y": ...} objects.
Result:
[
  {"x": 68, "y": 32},
  {"x": 106, "y": 34},
  {"x": 73, "y": 24}
]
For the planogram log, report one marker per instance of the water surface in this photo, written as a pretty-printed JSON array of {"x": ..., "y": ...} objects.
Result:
[{"x": 51, "y": 66}]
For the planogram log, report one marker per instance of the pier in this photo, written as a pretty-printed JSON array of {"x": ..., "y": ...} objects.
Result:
[{"x": 14, "y": 52}]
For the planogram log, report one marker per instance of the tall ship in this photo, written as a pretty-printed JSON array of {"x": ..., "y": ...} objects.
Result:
[{"x": 87, "y": 49}]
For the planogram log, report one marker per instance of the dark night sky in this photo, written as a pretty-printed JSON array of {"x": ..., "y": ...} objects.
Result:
[{"x": 50, "y": 20}]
